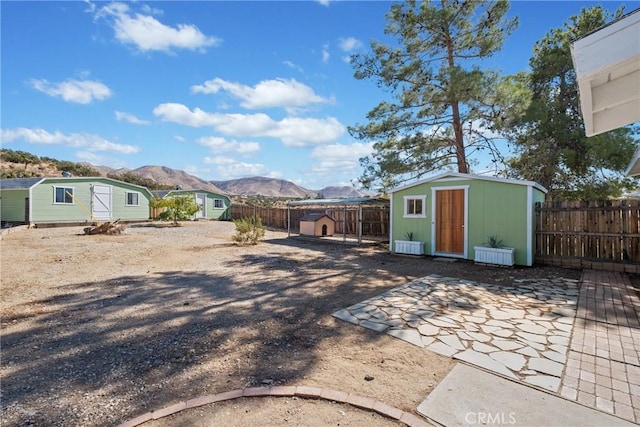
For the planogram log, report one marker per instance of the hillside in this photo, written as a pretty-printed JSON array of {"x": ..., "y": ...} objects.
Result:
[
  {"x": 18, "y": 164},
  {"x": 340, "y": 192},
  {"x": 262, "y": 186},
  {"x": 174, "y": 177},
  {"x": 273, "y": 187},
  {"x": 15, "y": 164}
]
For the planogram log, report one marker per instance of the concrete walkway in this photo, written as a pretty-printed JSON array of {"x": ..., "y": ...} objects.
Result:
[
  {"x": 525, "y": 332},
  {"x": 468, "y": 396}
]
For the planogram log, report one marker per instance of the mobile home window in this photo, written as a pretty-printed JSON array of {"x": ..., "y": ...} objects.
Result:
[
  {"x": 218, "y": 203},
  {"x": 133, "y": 199},
  {"x": 63, "y": 195},
  {"x": 414, "y": 206}
]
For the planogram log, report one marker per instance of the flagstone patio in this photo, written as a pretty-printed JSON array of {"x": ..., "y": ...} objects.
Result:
[{"x": 521, "y": 331}]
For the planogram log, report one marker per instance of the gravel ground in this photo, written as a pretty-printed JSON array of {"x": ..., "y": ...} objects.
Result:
[{"x": 99, "y": 329}]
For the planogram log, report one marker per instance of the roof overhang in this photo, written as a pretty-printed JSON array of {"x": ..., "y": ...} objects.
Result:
[
  {"x": 607, "y": 65},
  {"x": 634, "y": 167}
]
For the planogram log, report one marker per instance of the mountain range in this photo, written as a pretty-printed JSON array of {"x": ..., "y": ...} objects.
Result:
[{"x": 251, "y": 186}]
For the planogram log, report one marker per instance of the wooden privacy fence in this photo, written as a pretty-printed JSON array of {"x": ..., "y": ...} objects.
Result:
[
  {"x": 375, "y": 220},
  {"x": 589, "y": 234}
]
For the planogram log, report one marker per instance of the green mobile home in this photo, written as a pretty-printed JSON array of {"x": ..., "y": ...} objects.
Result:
[
  {"x": 212, "y": 205},
  {"x": 71, "y": 200},
  {"x": 450, "y": 214}
]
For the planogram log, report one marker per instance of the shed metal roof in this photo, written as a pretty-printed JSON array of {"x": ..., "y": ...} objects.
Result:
[
  {"x": 457, "y": 175},
  {"x": 18, "y": 183},
  {"x": 26, "y": 183}
]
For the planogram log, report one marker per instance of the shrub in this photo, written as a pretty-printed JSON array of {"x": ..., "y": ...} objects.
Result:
[
  {"x": 249, "y": 231},
  {"x": 177, "y": 208},
  {"x": 494, "y": 242}
]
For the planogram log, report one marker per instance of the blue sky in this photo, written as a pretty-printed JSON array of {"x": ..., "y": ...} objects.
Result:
[{"x": 220, "y": 89}]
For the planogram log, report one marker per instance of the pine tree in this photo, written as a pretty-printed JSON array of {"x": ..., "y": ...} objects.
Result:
[
  {"x": 550, "y": 140},
  {"x": 443, "y": 101}
]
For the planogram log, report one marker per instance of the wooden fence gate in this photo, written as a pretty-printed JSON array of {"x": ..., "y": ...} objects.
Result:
[{"x": 589, "y": 234}]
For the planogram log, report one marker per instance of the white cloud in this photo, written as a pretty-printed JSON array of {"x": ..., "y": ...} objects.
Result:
[
  {"x": 87, "y": 141},
  {"x": 299, "y": 132},
  {"x": 179, "y": 138},
  {"x": 197, "y": 171},
  {"x": 130, "y": 118},
  {"x": 349, "y": 44},
  {"x": 480, "y": 129},
  {"x": 146, "y": 33},
  {"x": 89, "y": 157},
  {"x": 293, "y": 66},
  {"x": 90, "y": 6},
  {"x": 99, "y": 159},
  {"x": 292, "y": 131},
  {"x": 218, "y": 144},
  {"x": 78, "y": 91},
  {"x": 268, "y": 93},
  {"x": 324, "y": 2},
  {"x": 325, "y": 53},
  {"x": 228, "y": 168},
  {"x": 339, "y": 158},
  {"x": 151, "y": 10}
]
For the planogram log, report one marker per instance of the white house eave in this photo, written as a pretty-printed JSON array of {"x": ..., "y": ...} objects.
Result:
[
  {"x": 634, "y": 167},
  {"x": 460, "y": 176},
  {"x": 607, "y": 65}
]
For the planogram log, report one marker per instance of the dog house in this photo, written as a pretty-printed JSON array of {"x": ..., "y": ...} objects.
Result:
[
  {"x": 317, "y": 224},
  {"x": 353, "y": 218}
]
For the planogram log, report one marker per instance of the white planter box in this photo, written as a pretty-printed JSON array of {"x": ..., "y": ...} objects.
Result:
[
  {"x": 499, "y": 256},
  {"x": 409, "y": 247}
]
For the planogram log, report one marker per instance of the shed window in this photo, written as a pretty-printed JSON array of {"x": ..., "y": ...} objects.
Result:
[
  {"x": 133, "y": 199},
  {"x": 218, "y": 203},
  {"x": 414, "y": 206},
  {"x": 63, "y": 195}
]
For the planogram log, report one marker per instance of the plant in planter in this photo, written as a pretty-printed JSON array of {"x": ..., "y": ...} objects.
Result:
[
  {"x": 494, "y": 242},
  {"x": 494, "y": 252},
  {"x": 409, "y": 236}
]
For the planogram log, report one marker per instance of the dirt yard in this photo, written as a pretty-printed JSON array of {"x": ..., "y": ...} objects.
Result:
[{"x": 99, "y": 329}]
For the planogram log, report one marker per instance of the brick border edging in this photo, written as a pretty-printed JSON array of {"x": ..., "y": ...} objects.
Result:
[{"x": 358, "y": 401}]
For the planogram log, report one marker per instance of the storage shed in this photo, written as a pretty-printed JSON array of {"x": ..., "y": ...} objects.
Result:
[
  {"x": 212, "y": 205},
  {"x": 317, "y": 224},
  {"x": 71, "y": 200},
  {"x": 449, "y": 214}
]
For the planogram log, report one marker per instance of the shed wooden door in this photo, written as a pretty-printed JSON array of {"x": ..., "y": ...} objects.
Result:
[{"x": 450, "y": 221}]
